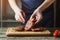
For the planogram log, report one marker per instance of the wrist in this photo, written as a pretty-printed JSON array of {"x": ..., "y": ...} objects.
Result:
[
  {"x": 40, "y": 10},
  {"x": 17, "y": 10}
]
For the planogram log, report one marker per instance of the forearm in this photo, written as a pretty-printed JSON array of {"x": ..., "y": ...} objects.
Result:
[
  {"x": 45, "y": 4},
  {"x": 14, "y": 5}
]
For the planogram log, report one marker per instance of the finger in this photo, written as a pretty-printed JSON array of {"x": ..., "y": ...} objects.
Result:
[
  {"x": 23, "y": 14},
  {"x": 28, "y": 25},
  {"x": 22, "y": 17},
  {"x": 18, "y": 18},
  {"x": 37, "y": 21},
  {"x": 38, "y": 18},
  {"x": 32, "y": 16}
]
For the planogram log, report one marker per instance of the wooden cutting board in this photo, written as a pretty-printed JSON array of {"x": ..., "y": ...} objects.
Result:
[{"x": 12, "y": 32}]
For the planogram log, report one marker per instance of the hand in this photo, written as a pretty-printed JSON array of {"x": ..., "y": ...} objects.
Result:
[
  {"x": 37, "y": 15},
  {"x": 20, "y": 16}
]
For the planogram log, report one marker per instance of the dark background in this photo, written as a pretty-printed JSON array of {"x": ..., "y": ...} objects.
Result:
[
  {"x": 8, "y": 14},
  {"x": 58, "y": 13}
]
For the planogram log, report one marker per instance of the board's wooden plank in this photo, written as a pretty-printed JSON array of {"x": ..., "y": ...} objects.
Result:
[{"x": 11, "y": 31}]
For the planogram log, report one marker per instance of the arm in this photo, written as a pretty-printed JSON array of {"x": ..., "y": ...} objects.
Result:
[
  {"x": 14, "y": 5},
  {"x": 38, "y": 13},
  {"x": 19, "y": 14},
  {"x": 45, "y": 4}
]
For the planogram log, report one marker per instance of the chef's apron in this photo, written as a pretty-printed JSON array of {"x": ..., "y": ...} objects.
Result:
[{"x": 28, "y": 6}]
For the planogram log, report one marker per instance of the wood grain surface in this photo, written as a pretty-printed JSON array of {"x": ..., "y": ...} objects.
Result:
[{"x": 12, "y": 32}]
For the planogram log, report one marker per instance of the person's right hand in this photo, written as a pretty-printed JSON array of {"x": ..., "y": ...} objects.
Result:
[{"x": 20, "y": 16}]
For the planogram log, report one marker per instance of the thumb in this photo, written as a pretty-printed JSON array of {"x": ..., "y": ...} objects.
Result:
[
  {"x": 23, "y": 13},
  {"x": 22, "y": 16},
  {"x": 32, "y": 16}
]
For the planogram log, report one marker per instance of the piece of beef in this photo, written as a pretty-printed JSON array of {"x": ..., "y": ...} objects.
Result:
[
  {"x": 38, "y": 29},
  {"x": 19, "y": 28},
  {"x": 30, "y": 23}
]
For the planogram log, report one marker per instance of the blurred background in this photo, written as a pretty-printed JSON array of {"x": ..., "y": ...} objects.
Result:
[
  {"x": 7, "y": 14},
  {"x": 7, "y": 18},
  {"x": 58, "y": 13},
  {"x": 0, "y": 13}
]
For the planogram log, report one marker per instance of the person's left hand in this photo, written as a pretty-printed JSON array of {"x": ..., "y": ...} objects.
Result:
[{"x": 37, "y": 15}]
